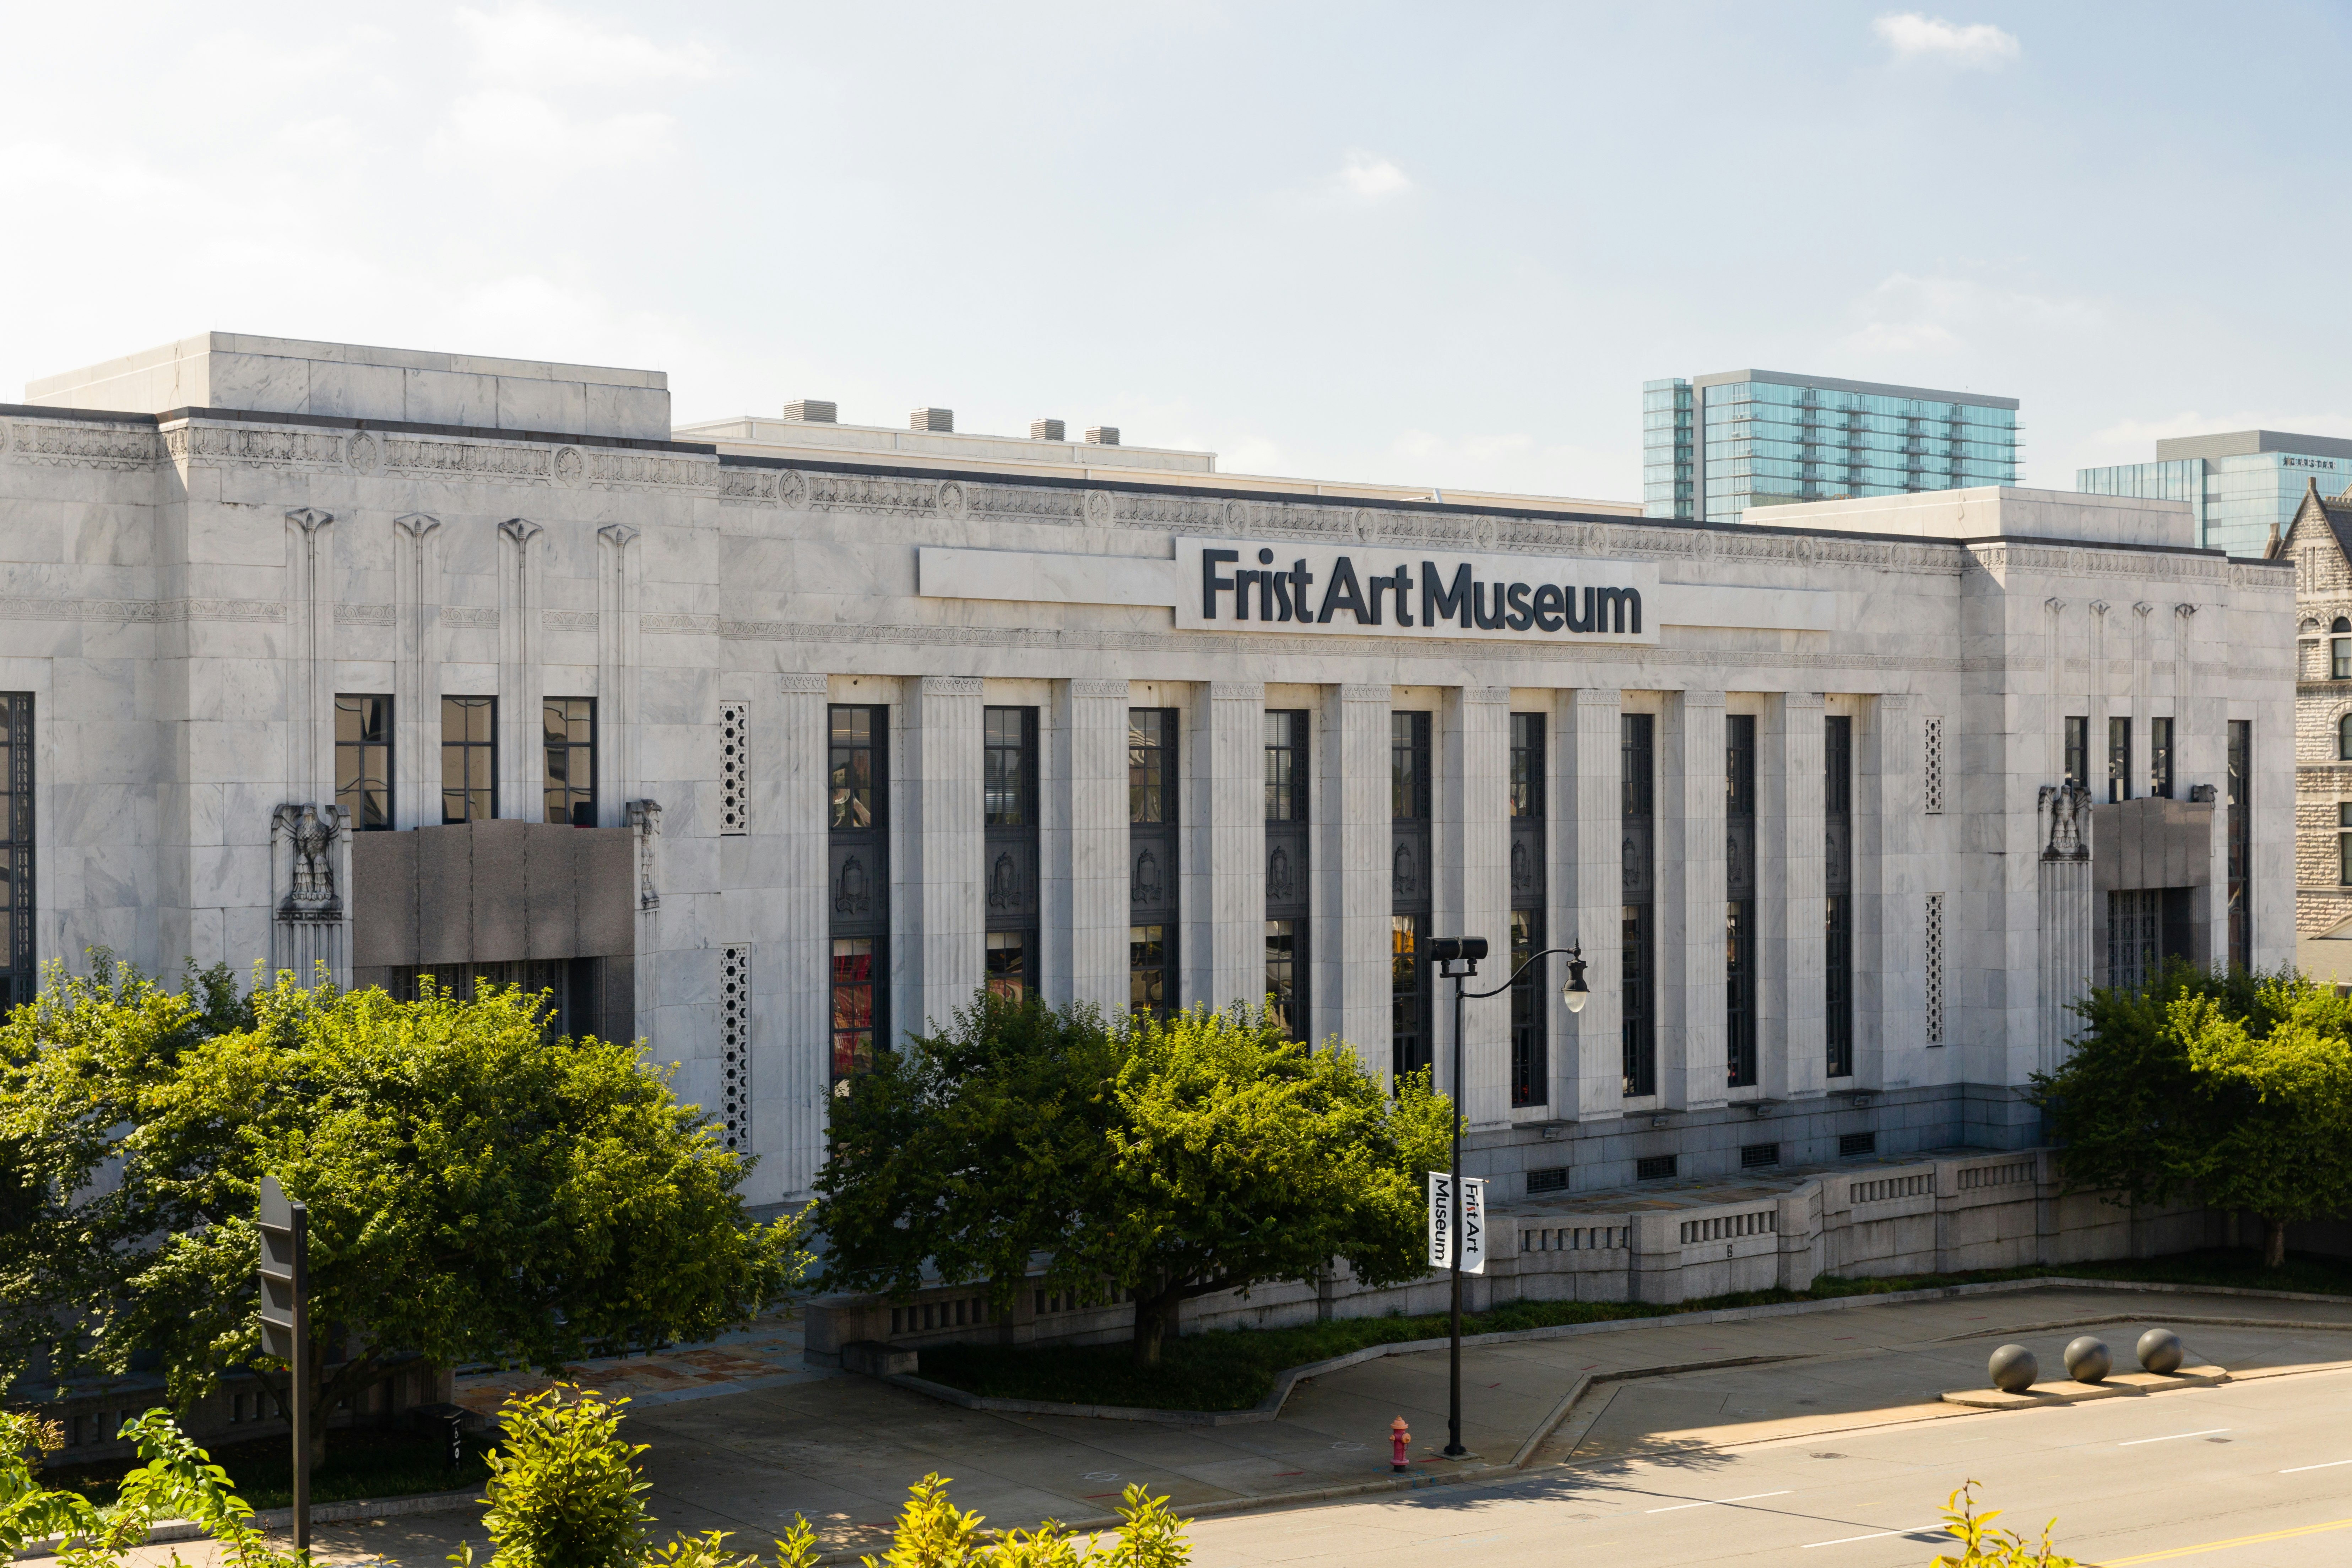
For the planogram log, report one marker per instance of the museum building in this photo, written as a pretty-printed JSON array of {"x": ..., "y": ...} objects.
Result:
[{"x": 771, "y": 740}]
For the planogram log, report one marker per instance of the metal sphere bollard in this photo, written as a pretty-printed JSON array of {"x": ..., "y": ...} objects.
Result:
[
  {"x": 2087, "y": 1359},
  {"x": 2159, "y": 1350},
  {"x": 2013, "y": 1369}
]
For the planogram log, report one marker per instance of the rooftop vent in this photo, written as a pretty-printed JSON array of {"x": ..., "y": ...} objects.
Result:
[
  {"x": 1103, "y": 435},
  {"x": 812, "y": 411},
  {"x": 1047, "y": 430},
  {"x": 940, "y": 421}
]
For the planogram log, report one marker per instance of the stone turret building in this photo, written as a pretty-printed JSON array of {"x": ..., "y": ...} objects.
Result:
[{"x": 2318, "y": 543}]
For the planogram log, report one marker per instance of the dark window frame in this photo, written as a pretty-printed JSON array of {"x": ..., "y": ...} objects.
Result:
[
  {"x": 2239, "y": 833},
  {"x": 1740, "y": 1016},
  {"x": 467, "y": 747},
  {"x": 1289, "y": 785},
  {"x": 2119, "y": 758},
  {"x": 1837, "y": 986},
  {"x": 20, "y": 744},
  {"x": 1021, "y": 748},
  {"x": 1154, "y": 815},
  {"x": 1410, "y": 1048},
  {"x": 857, "y": 823},
  {"x": 1530, "y": 1039},
  {"x": 579, "y": 805},
  {"x": 2159, "y": 757},
  {"x": 1637, "y": 761},
  {"x": 1409, "y": 752},
  {"x": 381, "y": 739},
  {"x": 2077, "y": 750}
]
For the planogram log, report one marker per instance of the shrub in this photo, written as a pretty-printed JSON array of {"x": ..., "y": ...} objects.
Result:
[
  {"x": 1989, "y": 1548},
  {"x": 564, "y": 1490}
]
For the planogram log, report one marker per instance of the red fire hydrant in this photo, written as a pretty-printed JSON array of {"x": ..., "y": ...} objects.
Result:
[{"x": 1400, "y": 1446}]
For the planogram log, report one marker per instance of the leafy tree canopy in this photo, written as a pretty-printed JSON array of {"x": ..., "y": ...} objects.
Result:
[
  {"x": 1169, "y": 1158},
  {"x": 476, "y": 1189},
  {"x": 2235, "y": 1088}
]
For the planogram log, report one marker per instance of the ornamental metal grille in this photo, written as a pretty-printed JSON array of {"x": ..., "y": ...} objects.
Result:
[
  {"x": 1932, "y": 952},
  {"x": 735, "y": 1047},
  {"x": 1931, "y": 768},
  {"x": 734, "y": 767}
]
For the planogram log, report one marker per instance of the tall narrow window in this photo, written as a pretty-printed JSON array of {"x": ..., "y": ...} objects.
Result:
[
  {"x": 2339, "y": 649},
  {"x": 734, "y": 768},
  {"x": 1530, "y": 1012},
  {"x": 2078, "y": 751},
  {"x": 735, "y": 1047},
  {"x": 2241, "y": 915},
  {"x": 1409, "y": 1048},
  {"x": 1637, "y": 735},
  {"x": 364, "y": 761},
  {"x": 1931, "y": 949},
  {"x": 1151, "y": 887},
  {"x": 2118, "y": 760},
  {"x": 2159, "y": 758},
  {"x": 1837, "y": 877},
  {"x": 1286, "y": 891},
  {"x": 1931, "y": 768},
  {"x": 858, "y": 885},
  {"x": 16, "y": 744},
  {"x": 1411, "y": 1045},
  {"x": 1009, "y": 826},
  {"x": 469, "y": 758},
  {"x": 2344, "y": 842},
  {"x": 1740, "y": 907},
  {"x": 570, "y": 731}
]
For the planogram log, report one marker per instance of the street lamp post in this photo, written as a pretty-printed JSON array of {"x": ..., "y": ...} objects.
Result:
[{"x": 1467, "y": 950}]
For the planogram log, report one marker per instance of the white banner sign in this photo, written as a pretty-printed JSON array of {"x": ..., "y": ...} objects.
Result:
[{"x": 1474, "y": 1222}]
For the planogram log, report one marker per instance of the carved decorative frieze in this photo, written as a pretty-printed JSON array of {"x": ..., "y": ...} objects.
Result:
[
  {"x": 469, "y": 617},
  {"x": 83, "y": 446},
  {"x": 650, "y": 470},
  {"x": 487, "y": 460},
  {"x": 348, "y": 615},
  {"x": 678, "y": 625},
  {"x": 568, "y": 620}
]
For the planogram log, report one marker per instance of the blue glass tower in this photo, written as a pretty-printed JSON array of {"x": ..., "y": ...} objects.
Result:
[
  {"x": 2241, "y": 484},
  {"x": 1716, "y": 446}
]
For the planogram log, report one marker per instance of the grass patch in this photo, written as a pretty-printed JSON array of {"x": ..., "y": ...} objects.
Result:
[
  {"x": 1233, "y": 1369},
  {"x": 361, "y": 1463}
]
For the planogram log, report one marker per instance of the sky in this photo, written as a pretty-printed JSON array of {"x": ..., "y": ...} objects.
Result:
[{"x": 1410, "y": 244}]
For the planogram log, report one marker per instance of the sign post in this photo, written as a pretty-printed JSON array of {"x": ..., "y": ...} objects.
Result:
[{"x": 286, "y": 1326}]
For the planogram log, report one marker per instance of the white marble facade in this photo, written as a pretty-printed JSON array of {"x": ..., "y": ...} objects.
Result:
[{"x": 184, "y": 588}]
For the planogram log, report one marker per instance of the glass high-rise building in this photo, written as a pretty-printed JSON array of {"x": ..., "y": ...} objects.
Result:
[
  {"x": 2241, "y": 484},
  {"x": 1714, "y": 447}
]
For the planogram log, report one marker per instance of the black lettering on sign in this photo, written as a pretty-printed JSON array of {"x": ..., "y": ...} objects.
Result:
[
  {"x": 1437, "y": 602},
  {"x": 1404, "y": 598},
  {"x": 1211, "y": 584},
  {"x": 1547, "y": 607},
  {"x": 1342, "y": 593},
  {"x": 1299, "y": 577},
  {"x": 1622, "y": 599},
  {"x": 1575, "y": 625},
  {"x": 1520, "y": 617},
  {"x": 1486, "y": 622}
]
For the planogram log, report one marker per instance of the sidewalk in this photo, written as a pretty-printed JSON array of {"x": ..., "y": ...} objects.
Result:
[{"x": 843, "y": 1450}]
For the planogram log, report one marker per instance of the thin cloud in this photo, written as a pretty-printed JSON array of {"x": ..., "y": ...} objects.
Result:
[
  {"x": 1910, "y": 314},
  {"x": 1372, "y": 178},
  {"x": 1914, "y": 37},
  {"x": 541, "y": 47}
]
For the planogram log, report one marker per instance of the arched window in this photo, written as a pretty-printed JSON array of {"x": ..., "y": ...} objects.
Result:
[{"x": 2344, "y": 738}]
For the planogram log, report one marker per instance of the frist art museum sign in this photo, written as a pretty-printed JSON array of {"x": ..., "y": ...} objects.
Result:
[{"x": 1253, "y": 585}]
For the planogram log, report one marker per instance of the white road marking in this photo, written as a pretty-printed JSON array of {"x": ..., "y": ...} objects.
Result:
[
  {"x": 1875, "y": 1535},
  {"x": 1719, "y": 1501},
  {"x": 2329, "y": 1465},
  {"x": 2169, "y": 1437}
]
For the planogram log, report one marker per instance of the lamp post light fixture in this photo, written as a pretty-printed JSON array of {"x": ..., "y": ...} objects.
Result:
[{"x": 1468, "y": 952}]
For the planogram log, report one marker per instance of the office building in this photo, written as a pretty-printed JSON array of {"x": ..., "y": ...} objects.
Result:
[
  {"x": 2244, "y": 487},
  {"x": 1716, "y": 447}
]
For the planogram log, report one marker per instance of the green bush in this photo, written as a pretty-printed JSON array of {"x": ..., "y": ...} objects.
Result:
[
  {"x": 564, "y": 1490},
  {"x": 1985, "y": 1547}
]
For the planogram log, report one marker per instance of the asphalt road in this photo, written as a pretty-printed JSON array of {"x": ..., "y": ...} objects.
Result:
[{"x": 2256, "y": 1475}]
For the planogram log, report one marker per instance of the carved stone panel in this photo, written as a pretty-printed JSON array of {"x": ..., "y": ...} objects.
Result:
[
  {"x": 1409, "y": 868},
  {"x": 1010, "y": 884},
  {"x": 857, "y": 898},
  {"x": 1837, "y": 856},
  {"x": 1635, "y": 853},
  {"x": 1527, "y": 862},
  {"x": 1287, "y": 887},
  {"x": 1740, "y": 857},
  {"x": 1151, "y": 877}
]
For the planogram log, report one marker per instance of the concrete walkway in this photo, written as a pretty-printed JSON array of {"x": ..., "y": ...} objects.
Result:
[{"x": 841, "y": 1450}]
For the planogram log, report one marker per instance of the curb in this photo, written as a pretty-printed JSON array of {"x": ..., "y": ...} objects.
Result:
[{"x": 1270, "y": 1407}]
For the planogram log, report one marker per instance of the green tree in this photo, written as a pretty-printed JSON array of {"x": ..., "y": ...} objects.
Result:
[
  {"x": 1170, "y": 1159},
  {"x": 476, "y": 1190},
  {"x": 2236, "y": 1090}
]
